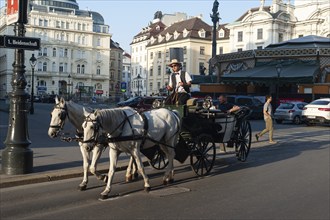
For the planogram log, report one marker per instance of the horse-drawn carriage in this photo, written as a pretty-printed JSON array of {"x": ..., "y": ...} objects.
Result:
[
  {"x": 162, "y": 135},
  {"x": 202, "y": 127}
]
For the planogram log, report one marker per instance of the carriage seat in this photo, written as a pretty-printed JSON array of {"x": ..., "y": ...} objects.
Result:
[{"x": 192, "y": 105}]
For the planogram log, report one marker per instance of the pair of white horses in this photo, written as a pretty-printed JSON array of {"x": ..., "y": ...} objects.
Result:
[{"x": 163, "y": 127}]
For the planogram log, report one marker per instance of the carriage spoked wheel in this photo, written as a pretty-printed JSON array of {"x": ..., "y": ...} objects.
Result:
[
  {"x": 243, "y": 141},
  {"x": 203, "y": 154},
  {"x": 159, "y": 160}
]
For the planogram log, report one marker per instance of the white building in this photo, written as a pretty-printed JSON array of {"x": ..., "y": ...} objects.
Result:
[
  {"x": 74, "y": 54},
  {"x": 126, "y": 76},
  {"x": 281, "y": 21}
]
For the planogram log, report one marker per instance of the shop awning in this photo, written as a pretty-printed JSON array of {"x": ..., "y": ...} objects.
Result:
[{"x": 291, "y": 72}]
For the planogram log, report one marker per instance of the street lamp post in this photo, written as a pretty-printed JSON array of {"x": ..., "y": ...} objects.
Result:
[
  {"x": 138, "y": 80},
  {"x": 69, "y": 86},
  {"x": 17, "y": 157},
  {"x": 215, "y": 19},
  {"x": 278, "y": 70},
  {"x": 33, "y": 62}
]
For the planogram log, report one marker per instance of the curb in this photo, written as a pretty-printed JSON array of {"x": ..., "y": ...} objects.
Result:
[{"x": 26, "y": 179}]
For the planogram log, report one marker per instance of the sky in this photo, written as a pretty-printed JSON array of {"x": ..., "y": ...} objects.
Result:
[{"x": 127, "y": 18}]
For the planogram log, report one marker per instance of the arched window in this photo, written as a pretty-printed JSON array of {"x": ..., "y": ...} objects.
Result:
[
  {"x": 83, "y": 69},
  {"x": 39, "y": 66},
  {"x": 44, "y": 67},
  {"x": 53, "y": 67},
  {"x": 98, "y": 70},
  {"x": 78, "y": 68},
  {"x": 54, "y": 52}
]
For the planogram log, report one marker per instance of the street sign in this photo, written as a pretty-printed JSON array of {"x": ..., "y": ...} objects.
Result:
[
  {"x": 26, "y": 43},
  {"x": 12, "y": 11}
]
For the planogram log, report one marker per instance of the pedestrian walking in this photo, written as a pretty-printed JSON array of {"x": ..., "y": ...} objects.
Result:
[{"x": 268, "y": 121}]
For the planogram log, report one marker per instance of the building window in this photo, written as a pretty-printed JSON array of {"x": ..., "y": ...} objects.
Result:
[
  {"x": 45, "y": 51},
  {"x": 280, "y": 37},
  {"x": 40, "y": 52},
  {"x": 46, "y": 23},
  {"x": 184, "y": 50},
  {"x": 151, "y": 55},
  {"x": 53, "y": 67},
  {"x": 202, "y": 50},
  {"x": 98, "y": 70},
  {"x": 220, "y": 50},
  {"x": 151, "y": 72},
  {"x": 54, "y": 52},
  {"x": 239, "y": 49},
  {"x": 78, "y": 68},
  {"x": 259, "y": 47},
  {"x": 150, "y": 86},
  {"x": 167, "y": 53},
  {"x": 159, "y": 70},
  {"x": 83, "y": 69},
  {"x": 40, "y": 22},
  {"x": 39, "y": 66},
  {"x": 67, "y": 25},
  {"x": 98, "y": 41},
  {"x": 240, "y": 36},
  {"x": 44, "y": 67},
  {"x": 58, "y": 24},
  {"x": 260, "y": 33},
  {"x": 65, "y": 52},
  {"x": 159, "y": 54},
  {"x": 61, "y": 68}
]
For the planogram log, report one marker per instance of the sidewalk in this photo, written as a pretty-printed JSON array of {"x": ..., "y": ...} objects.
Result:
[{"x": 57, "y": 163}]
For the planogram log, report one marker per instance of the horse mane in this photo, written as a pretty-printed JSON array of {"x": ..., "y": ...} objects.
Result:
[
  {"x": 76, "y": 114},
  {"x": 110, "y": 119}
]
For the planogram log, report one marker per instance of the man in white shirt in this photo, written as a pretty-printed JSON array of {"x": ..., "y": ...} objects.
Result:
[{"x": 179, "y": 84}]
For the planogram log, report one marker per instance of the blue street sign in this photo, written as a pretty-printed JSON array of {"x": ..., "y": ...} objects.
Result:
[{"x": 123, "y": 86}]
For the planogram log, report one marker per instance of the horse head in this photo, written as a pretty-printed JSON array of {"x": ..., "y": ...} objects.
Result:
[
  {"x": 92, "y": 129},
  {"x": 58, "y": 116}
]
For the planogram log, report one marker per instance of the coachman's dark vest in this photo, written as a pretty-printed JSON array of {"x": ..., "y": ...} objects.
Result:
[{"x": 183, "y": 79}]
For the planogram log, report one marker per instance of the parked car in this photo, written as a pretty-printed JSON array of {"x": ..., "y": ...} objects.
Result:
[
  {"x": 289, "y": 111},
  {"x": 140, "y": 103},
  {"x": 317, "y": 111},
  {"x": 248, "y": 101}
]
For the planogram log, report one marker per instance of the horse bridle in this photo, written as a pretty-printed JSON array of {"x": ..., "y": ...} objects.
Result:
[
  {"x": 96, "y": 127},
  {"x": 63, "y": 115}
]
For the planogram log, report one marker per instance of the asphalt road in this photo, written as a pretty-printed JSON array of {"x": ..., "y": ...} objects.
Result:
[{"x": 289, "y": 180}]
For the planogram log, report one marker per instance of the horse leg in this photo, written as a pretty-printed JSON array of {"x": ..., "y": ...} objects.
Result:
[
  {"x": 113, "y": 156},
  {"x": 129, "y": 175},
  {"x": 169, "y": 172},
  {"x": 97, "y": 151},
  {"x": 85, "y": 155},
  {"x": 131, "y": 172},
  {"x": 136, "y": 154}
]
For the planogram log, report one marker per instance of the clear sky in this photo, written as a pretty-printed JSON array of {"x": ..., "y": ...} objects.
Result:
[{"x": 127, "y": 18}]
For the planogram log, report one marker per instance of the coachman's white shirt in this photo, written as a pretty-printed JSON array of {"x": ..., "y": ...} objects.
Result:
[{"x": 179, "y": 89}]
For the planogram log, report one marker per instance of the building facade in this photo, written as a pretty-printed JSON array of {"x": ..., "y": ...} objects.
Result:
[
  {"x": 116, "y": 69},
  {"x": 126, "y": 76},
  {"x": 75, "y": 50}
]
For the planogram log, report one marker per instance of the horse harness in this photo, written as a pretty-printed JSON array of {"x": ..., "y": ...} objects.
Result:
[
  {"x": 63, "y": 115},
  {"x": 106, "y": 138}
]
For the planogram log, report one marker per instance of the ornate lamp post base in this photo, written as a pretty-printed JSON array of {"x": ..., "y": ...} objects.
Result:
[{"x": 17, "y": 161}]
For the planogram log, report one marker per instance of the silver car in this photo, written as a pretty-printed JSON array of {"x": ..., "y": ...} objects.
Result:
[{"x": 289, "y": 111}]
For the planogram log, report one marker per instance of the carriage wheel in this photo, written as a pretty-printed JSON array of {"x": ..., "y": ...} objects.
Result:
[
  {"x": 203, "y": 155},
  {"x": 159, "y": 161},
  {"x": 243, "y": 142}
]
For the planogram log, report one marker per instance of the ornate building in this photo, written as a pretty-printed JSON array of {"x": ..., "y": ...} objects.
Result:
[
  {"x": 74, "y": 54},
  {"x": 116, "y": 69}
]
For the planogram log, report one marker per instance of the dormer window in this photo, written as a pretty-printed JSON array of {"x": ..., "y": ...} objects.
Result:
[
  {"x": 221, "y": 33},
  {"x": 176, "y": 35},
  {"x": 185, "y": 33},
  {"x": 168, "y": 36},
  {"x": 201, "y": 33},
  {"x": 157, "y": 28}
]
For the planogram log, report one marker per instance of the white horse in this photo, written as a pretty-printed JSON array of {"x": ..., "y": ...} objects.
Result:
[
  {"x": 126, "y": 131},
  {"x": 74, "y": 113}
]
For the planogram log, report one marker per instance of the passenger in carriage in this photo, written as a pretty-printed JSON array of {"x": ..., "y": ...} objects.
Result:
[
  {"x": 179, "y": 84},
  {"x": 226, "y": 106}
]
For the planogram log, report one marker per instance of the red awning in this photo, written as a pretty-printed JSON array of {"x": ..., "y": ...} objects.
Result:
[{"x": 99, "y": 91}]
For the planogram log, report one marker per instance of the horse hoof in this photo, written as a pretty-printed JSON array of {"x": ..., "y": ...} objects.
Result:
[
  {"x": 103, "y": 197},
  {"x": 129, "y": 179},
  {"x": 82, "y": 188},
  {"x": 171, "y": 181},
  {"x": 166, "y": 182},
  {"x": 147, "y": 189}
]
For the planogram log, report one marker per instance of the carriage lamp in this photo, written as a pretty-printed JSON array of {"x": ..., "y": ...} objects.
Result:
[{"x": 33, "y": 62}]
